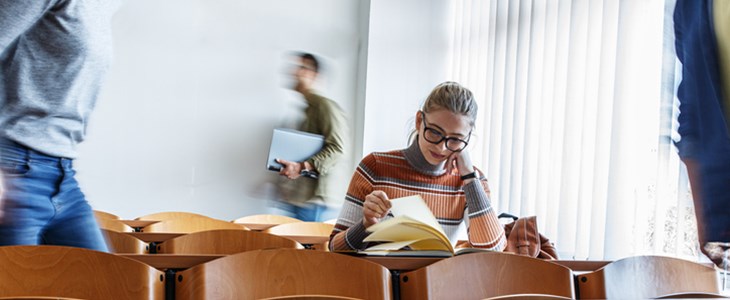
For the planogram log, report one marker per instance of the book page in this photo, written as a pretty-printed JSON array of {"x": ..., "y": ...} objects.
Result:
[
  {"x": 395, "y": 229},
  {"x": 392, "y": 246},
  {"x": 459, "y": 251},
  {"x": 416, "y": 246},
  {"x": 408, "y": 253},
  {"x": 415, "y": 208}
]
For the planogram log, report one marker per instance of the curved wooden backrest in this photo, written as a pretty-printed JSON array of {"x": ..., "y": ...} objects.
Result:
[
  {"x": 67, "y": 272},
  {"x": 647, "y": 277},
  {"x": 37, "y": 298},
  {"x": 119, "y": 242},
  {"x": 487, "y": 274},
  {"x": 302, "y": 228},
  {"x": 311, "y": 297},
  {"x": 171, "y": 215},
  {"x": 314, "y": 235},
  {"x": 284, "y": 272},
  {"x": 189, "y": 225},
  {"x": 113, "y": 225},
  {"x": 224, "y": 241},
  {"x": 266, "y": 219},
  {"x": 528, "y": 297},
  {"x": 693, "y": 296},
  {"x": 105, "y": 215}
]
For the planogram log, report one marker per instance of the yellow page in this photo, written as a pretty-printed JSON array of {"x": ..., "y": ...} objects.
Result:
[
  {"x": 393, "y": 246},
  {"x": 415, "y": 208},
  {"x": 437, "y": 236},
  {"x": 431, "y": 244},
  {"x": 416, "y": 245},
  {"x": 396, "y": 230}
]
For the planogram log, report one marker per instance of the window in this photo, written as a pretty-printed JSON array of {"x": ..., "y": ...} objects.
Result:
[{"x": 577, "y": 111}]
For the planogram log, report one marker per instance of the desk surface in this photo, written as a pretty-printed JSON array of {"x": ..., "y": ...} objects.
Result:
[
  {"x": 172, "y": 261},
  {"x": 154, "y": 236},
  {"x": 308, "y": 239},
  {"x": 401, "y": 263},
  {"x": 405, "y": 263},
  {"x": 184, "y": 261},
  {"x": 258, "y": 226},
  {"x": 138, "y": 223},
  {"x": 582, "y": 265}
]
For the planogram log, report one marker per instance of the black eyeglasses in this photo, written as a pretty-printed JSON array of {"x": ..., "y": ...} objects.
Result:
[{"x": 435, "y": 137}]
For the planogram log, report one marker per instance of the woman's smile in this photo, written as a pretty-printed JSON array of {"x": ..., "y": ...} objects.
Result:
[{"x": 437, "y": 156}]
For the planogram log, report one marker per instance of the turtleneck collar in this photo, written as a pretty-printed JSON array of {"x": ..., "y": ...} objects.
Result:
[{"x": 415, "y": 158}]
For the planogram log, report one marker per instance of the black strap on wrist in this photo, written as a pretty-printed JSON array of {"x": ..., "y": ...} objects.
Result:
[{"x": 469, "y": 176}]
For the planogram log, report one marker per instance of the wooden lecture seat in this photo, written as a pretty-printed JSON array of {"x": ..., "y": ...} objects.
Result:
[
  {"x": 119, "y": 242},
  {"x": 37, "y": 298},
  {"x": 304, "y": 231},
  {"x": 648, "y": 277},
  {"x": 527, "y": 297},
  {"x": 68, "y": 272},
  {"x": 483, "y": 275},
  {"x": 113, "y": 225},
  {"x": 190, "y": 225},
  {"x": 264, "y": 221},
  {"x": 171, "y": 215},
  {"x": 311, "y": 297},
  {"x": 284, "y": 272},
  {"x": 224, "y": 241},
  {"x": 692, "y": 296},
  {"x": 105, "y": 215}
]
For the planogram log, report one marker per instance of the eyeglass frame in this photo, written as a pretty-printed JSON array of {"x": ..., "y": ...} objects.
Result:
[{"x": 443, "y": 137}]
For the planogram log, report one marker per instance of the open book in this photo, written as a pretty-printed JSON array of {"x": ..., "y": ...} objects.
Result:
[{"x": 413, "y": 227}]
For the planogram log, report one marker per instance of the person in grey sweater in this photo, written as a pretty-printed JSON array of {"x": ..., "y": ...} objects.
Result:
[{"x": 53, "y": 58}]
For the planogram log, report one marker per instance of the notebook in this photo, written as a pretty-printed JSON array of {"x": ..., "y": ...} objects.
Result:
[{"x": 293, "y": 145}]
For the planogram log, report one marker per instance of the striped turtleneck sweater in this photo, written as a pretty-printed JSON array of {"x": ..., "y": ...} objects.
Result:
[{"x": 402, "y": 173}]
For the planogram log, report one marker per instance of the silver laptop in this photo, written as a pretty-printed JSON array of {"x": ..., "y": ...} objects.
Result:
[{"x": 293, "y": 145}]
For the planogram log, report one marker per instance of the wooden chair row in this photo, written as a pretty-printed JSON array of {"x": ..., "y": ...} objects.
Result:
[
  {"x": 221, "y": 241},
  {"x": 195, "y": 223},
  {"x": 644, "y": 277},
  {"x": 514, "y": 276},
  {"x": 252, "y": 220},
  {"x": 64, "y": 272}
]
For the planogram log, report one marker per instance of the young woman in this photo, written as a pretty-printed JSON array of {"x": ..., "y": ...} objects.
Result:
[{"x": 435, "y": 166}]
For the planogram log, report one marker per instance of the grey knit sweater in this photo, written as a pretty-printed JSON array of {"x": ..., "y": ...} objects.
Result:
[{"x": 53, "y": 57}]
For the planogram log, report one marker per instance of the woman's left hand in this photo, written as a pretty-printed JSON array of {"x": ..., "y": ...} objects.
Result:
[{"x": 462, "y": 161}]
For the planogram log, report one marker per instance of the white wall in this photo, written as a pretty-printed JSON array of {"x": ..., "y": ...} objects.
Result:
[
  {"x": 408, "y": 48},
  {"x": 185, "y": 117}
]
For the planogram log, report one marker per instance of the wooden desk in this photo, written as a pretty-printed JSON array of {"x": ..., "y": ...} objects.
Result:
[
  {"x": 258, "y": 226},
  {"x": 172, "y": 261},
  {"x": 406, "y": 263},
  {"x": 582, "y": 265},
  {"x": 308, "y": 239},
  {"x": 136, "y": 224},
  {"x": 401, "y": 263},
  {"x": 156, "y": 237}
]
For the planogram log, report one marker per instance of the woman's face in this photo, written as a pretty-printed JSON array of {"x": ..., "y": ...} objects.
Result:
[{"x": 437, "y": 124}]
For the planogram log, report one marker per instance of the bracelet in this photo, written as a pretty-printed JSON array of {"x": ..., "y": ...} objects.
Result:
[{"x": 469, "y": 176}]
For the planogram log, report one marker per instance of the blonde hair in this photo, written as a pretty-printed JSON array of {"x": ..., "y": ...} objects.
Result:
[{"x": 453, "y": 97}]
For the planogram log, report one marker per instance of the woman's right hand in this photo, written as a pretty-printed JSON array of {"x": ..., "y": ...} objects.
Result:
[{"x": 376, "y": 205}]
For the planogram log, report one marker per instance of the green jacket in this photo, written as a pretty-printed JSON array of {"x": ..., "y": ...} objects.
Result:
[{"x": 322, "y": 116}]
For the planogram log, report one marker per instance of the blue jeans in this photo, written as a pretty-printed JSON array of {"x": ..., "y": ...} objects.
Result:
[
  {"x": 308, "y": 212},
  {"x": 41, "y": 202}
]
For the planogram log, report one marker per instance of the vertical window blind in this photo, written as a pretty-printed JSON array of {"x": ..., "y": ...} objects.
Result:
[{"x": 577, "y": 115}]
